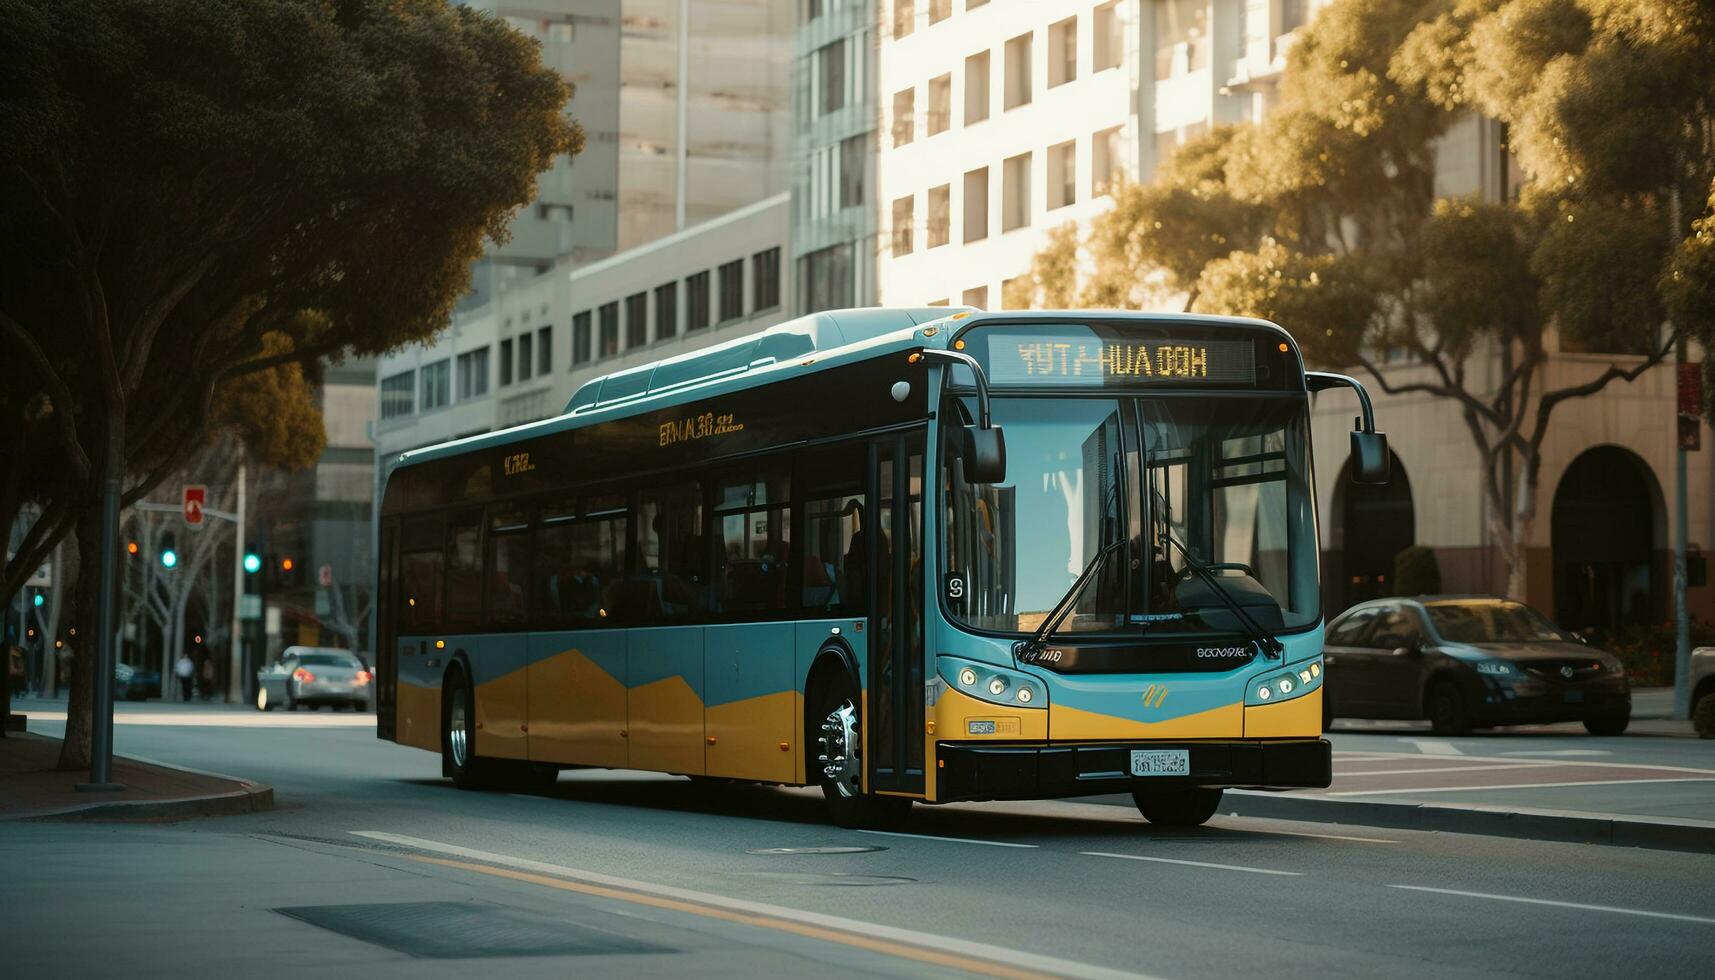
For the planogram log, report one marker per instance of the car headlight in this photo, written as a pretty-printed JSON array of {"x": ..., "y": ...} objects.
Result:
[{"x": 1499, "y": 668}]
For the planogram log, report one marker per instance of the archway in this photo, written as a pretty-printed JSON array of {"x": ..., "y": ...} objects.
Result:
[
  {"x": 1376, "y": 523},
  {"x": 1603, "y": 540}
]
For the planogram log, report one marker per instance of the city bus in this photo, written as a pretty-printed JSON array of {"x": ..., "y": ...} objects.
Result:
[{"x": 928, "y": 555}]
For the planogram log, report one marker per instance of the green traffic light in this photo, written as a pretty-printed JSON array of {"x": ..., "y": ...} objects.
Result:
[
  {"x": 39, "y": 600},
  {"x": 169, "y": 558},
  {"x": 252, "y": 563}
]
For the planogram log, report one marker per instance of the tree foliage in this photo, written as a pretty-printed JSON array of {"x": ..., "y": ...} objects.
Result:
[
  {"x": 1324, "y": 214},
  {"x": 204, "y": 200}
]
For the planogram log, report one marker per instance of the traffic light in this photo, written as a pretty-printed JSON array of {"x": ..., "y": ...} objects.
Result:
[
  {"x": 252, "y": 563},
  {"x": 131, "y": 548},
  {"x": 286, "y": 565},
  {"x": 38, "y": 601},
  {"x": 169, "y": 553}
]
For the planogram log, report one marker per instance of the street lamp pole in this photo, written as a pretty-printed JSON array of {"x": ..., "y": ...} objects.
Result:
[{"x": 235, "y": 679}]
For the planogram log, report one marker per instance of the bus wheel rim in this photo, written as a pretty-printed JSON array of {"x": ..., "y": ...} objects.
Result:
[
  {"x": 456, "y": 728},
  {"x": 841, "y": 764}
]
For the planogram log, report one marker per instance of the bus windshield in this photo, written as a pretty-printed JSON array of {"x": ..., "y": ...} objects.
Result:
[{"x": 1225, "y": 478}]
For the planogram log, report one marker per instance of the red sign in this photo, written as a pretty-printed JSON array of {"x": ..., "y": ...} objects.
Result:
[
  {"x": 195, "y": 496},
  {"x": 1690, "y": 388}
]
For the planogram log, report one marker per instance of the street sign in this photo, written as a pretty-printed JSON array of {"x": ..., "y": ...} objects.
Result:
[
  {"x": 195, "y": 496},
  {"x": 249, "y": 607},
  {"x": 324, "y": 575}
]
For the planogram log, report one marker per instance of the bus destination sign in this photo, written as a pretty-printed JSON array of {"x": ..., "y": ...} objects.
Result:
[{"x": 1027, "y": 359}]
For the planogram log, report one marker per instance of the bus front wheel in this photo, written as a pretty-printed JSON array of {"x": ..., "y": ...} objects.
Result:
[
  {"x": 838, "y": 765},
  {"x": 1178, "y": 807}
]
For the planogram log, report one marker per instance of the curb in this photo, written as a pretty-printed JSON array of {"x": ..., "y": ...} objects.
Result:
[
  {"x": 250, "y": 797},
  {"x": 1567, "y": 826}
]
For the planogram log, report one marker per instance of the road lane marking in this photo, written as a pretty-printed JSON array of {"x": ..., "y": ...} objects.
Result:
[
  {"x": 1303, "y": 833},
  {"x": 961, "y": 954},
  {"x": 1564, "y": 905},
  {"x": 955, "y": 840},
  {"x": 1561, "y": 752},
  {"x": 1464, "y": 789},
  {"x": 1434, "y": 747},
  {"x": 1521, "y": 764},
  {"x": 1403, "y": 756},
  {"x": 1194, "y": 864}
]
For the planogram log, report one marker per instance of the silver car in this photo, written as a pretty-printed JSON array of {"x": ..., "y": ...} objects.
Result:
[{"x": 313, "y": 676}]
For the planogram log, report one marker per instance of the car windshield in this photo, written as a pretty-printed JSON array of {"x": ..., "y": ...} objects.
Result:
[
  {"x": 1226, "y": 477},
  {"x": 1492, "y": 622},
  {"x": 327, "y": 660}
]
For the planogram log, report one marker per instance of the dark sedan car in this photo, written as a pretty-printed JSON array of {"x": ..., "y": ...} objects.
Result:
[{"x": 1467, "y": 662}]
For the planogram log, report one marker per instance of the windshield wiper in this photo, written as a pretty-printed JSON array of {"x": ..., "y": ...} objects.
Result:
[
  {"x": 1266, "y": 641},
  {"x": 1028, "y": 650}
]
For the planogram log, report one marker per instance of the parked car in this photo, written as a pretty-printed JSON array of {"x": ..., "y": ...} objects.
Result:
[
  {"x": 313, "y": 676},
  {"x": 1703, "y": 691},
  {"x": 135, "y": 683},
  {"x": 1465, "y": 662}
]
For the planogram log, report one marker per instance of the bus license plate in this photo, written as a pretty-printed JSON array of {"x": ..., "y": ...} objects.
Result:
[{"x": 1161, "y": 762}]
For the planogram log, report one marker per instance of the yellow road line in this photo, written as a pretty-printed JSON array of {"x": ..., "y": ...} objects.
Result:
[{"x": 934, "y": 957}]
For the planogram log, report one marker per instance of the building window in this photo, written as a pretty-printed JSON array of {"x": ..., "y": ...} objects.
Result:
[
  {"x": 765, "y": 279},
  {"x": 1181, "y": 32},
  {"x": 977, "y": 87},
  {"x": 974, "y": 4},
  {"x": 636, "y": 320},
  {"x": 666, "y": 311},
  {"x": 1015, "y": 192},
  {"x": 904, "y": 212},
  {"x": 852, "y": 163},
  {"x": 505, "y": 362},
  {"x": 976, "y": 204},
  {"x": 1107, "y": 44},
  {"x": 831, "y": 72},
  {"x": 696, "y": 301},
  {"x": 940, "y": 103},
  {"x": 398, "y": 395},
  {"x": 609, "y": 314},
  {"x": 814, "y": 8},
  {"x": 940, "y": 10},
  {"x": 1104, "y": 161},
  {"x": 473, "y": 373},
  {"x": 1063, "y": 52},
  {"x": 904, "y": 116},
  {"x": 544, "y": 350},
  {"x": 828, "y": 278},
  {"x": 732, "y": 290},
  {"x": 1292, "y": 15},
  {"x": 524, "y": 358},
  {"x": 940, "y": 208},
  {"x": 904, "y": 17},
  {"x": 1018, "y": 71},
  {"x": 437, "y": 384},
  {"x": 1062, "y": 174},
  {"x": 581, "y": 347},
  {"x": 977, "y": 296}
]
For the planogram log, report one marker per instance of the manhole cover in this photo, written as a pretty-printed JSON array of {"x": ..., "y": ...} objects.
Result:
[
  {"x": 465, "y": 930},
  {"x": 813, "y": 850},
  {"x": 832, "y": 878}
]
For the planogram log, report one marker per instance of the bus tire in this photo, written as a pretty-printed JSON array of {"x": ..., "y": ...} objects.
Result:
[
  {"x": 1191, "y": 807},
  {"x": 458, "y": 735},
  {"x": 835, "y": 728}
]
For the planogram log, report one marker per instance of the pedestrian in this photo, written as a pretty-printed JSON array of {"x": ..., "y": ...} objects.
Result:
[
  {"x": 207, "y": 677},
  {"x": 186, "y": 671}
]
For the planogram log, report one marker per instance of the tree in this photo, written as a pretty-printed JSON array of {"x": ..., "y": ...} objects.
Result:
[
  {"x": 198, "y": 192},
  {"x": 1323, "y": 215}
]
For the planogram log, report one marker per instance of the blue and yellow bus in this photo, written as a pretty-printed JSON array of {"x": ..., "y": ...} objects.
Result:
[{"x": 900, "y": 554}]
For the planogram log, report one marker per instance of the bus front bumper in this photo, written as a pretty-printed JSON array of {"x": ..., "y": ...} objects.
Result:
[{"x": 969, "y": 772}]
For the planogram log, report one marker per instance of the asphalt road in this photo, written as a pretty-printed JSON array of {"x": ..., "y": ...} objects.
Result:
[{"x": 645, "y": 875}]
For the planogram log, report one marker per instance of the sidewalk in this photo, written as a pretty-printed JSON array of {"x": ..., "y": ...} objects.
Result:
[{"x": 30, "y": 788}]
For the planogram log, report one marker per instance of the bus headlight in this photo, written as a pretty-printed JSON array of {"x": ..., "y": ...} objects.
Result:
[
  {"x": 968, "y": 677},
  {"x": 990, "y": 683},
  {"x": 1024, "y": 695},
  {"x": 1285, "y": 683},
  {"x": 997, "y": 686},
  {"x": 1263, "y": 693}
]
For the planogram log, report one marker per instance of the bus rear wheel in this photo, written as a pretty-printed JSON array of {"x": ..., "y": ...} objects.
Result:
[
  {"x": 838, "y": 766},
  {"x": 1177, "y": 807}
]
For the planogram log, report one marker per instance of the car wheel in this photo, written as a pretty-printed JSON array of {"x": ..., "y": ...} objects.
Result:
[
  {"x": 1447, "y": 712},
  {"x": 839, "y": 762},
  {"x": 1703, "y": 715},
  {"x": 1178, "y": 807},
  {"x": 1613, "y": 724}
]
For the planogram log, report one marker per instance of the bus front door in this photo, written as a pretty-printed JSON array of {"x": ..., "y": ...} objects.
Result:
[{"x": 894, "y": 712}]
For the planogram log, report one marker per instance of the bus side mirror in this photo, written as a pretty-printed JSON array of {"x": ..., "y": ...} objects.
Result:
[
  {"x": 1369, "y": 457},
  {"x": 983, "y": 454}
]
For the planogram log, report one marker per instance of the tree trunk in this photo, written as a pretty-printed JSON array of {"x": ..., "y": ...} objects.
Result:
[{"x": 75, "y": 751}]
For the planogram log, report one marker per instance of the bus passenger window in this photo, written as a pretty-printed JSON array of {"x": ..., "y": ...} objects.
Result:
[
  {"x": 753, "y": 538},
  {"x": 464, "y": 574},
  {"x": 579, "y": 565},
  {"x": 508, "y": 567},
  {"x": 834, "y": 554},
  {"x": 672, "y": 560}
]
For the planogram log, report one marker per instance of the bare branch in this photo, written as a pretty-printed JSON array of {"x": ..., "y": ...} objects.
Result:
[
  {"x": 58, "y": 393},
  {"x": 1550, "y": 399}
]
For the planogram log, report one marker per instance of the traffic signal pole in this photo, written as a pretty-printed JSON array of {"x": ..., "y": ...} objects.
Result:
[
  {"x": 235, "y": 676},
  {"x": 106, "y": 623}
]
